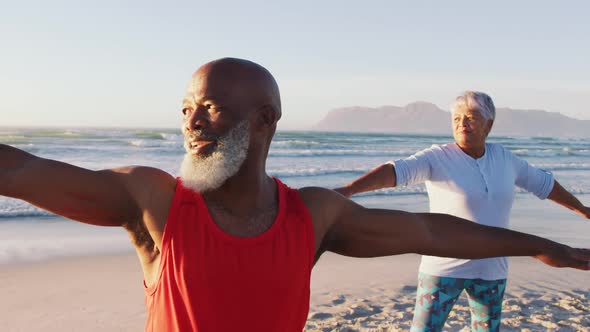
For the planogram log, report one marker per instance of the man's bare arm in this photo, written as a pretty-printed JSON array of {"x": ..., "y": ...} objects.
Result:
[
  {"x": 383, "y": 176},
  {"x": 352, "y": 230},
  {"x": 106, "y": 197}
]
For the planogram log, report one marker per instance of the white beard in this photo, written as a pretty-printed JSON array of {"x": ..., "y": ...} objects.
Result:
[{"x": 201, "y": 174}]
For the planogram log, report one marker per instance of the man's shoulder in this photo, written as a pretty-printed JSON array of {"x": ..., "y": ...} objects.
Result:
[
  {"x": 147, "y": 171},
  {"x": 150, "y": 174},
  {"x": 319, "y": 199},
  {"x": 315, "y": 194},
  {"x": 325, "y": 207},
  {"x": 146, "y": 183}
]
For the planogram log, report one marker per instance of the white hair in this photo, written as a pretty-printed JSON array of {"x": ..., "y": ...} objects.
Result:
[
  {"x": 477, "y": 101},
  {"x": 201, "y": 174}
]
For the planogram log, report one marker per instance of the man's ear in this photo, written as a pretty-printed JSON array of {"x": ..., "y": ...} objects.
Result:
[{"x": 267, "y": 116}]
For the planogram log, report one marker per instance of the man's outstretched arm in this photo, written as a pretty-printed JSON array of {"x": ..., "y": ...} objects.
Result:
[
  {"x": 106, "y": 197},
  {"x": 347, "y": 228}
]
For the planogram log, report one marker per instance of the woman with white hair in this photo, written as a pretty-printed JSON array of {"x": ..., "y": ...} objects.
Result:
[{"x": 474, "y": 180}]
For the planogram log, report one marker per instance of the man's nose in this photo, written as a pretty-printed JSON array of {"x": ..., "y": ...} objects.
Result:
[{"x": 197, "y": 120}]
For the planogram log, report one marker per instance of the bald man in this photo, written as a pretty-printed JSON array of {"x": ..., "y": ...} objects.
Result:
[{"x": 226, "y": 247}]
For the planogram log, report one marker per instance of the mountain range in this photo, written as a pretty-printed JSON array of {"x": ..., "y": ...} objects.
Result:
[{"x": 427, "y": 118}]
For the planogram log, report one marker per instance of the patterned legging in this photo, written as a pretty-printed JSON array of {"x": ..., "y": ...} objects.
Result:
[{"x": 437, "y": 295}]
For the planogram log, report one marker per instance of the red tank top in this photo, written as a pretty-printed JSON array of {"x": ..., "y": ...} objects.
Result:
[{"x": 210, "y": 281}]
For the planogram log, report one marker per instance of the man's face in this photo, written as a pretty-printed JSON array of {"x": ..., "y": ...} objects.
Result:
[
  {"x": 211, "y": 107},
  {"x": 470, "y": 127},
  {"x": 216, "y": 131}
]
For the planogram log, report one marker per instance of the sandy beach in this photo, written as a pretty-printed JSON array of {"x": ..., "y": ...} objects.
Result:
[
  {"x": 105, "y": 294},
  {"x": 378, "y": 295}
]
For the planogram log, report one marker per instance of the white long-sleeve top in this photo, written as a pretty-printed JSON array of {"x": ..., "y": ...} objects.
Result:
[{"x": 480, "y": 190}]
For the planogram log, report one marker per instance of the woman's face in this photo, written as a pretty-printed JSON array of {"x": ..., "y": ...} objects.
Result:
[{"x": 470, "y": 127}]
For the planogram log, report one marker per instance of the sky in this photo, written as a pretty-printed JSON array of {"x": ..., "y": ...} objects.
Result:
[{"x": 127, "y": 63}]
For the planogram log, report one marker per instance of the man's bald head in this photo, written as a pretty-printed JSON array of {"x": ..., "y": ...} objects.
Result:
[
  {"x": 246, "y": 80},
  {"x": 230, "y": 110}
]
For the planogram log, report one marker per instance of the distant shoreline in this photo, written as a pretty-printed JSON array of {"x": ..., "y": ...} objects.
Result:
[{"x": 444, "y": 134}]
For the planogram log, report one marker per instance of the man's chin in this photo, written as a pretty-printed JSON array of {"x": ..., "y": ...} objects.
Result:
[
  {"x": 199, "y": 186},
  {"x": 211, "y": 164},
  {"x": 200, "y": 174}
]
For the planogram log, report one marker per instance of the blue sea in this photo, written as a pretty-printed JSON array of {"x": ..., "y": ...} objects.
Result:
[{"x": 299, "y": 158}]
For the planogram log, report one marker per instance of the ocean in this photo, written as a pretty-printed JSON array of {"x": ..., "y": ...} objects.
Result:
[{"x": 298, "y": 158}]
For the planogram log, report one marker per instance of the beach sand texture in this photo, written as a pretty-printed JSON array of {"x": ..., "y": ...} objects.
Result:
[
  {"x": 105, "y": 294},
  {"x": 538, "y": 298}
]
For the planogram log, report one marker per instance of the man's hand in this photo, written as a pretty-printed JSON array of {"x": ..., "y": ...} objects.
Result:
[{"x": 564, "y": 256}]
